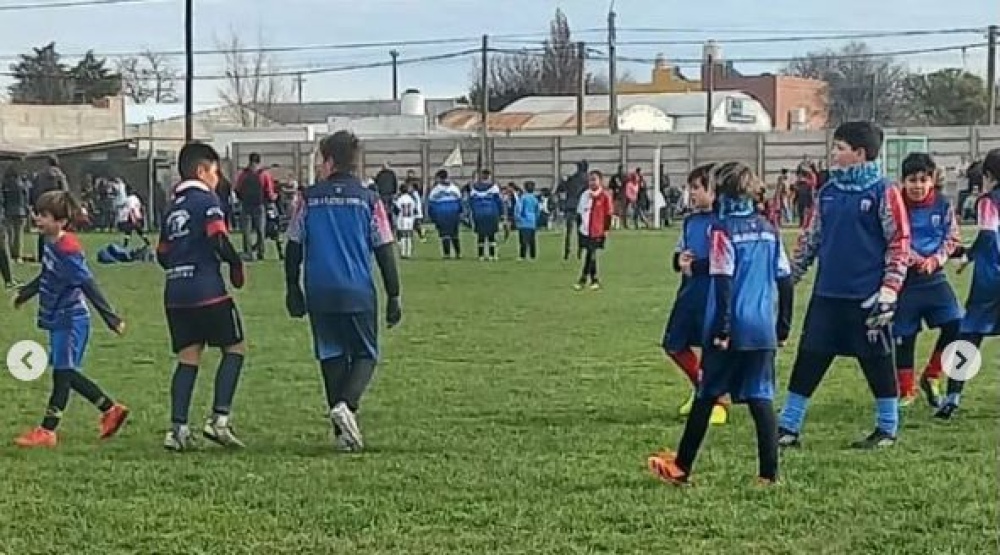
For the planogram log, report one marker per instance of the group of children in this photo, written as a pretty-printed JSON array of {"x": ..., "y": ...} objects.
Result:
[
  {"x": 880, "y": 250},
  {"x": 338, "y": 294}
]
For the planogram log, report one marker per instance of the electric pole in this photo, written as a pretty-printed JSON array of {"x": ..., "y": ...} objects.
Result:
[
  {"x": 991, "y": 72},
  {"x": 581, "y": 92},
  {"x": 612, "y": 72},
  {"x": 484, "y": 101},
  {"x": 395, "y": 74},
  {"x": 188, "y": 71}
]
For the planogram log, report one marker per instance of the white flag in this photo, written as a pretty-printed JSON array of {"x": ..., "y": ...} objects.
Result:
[{"x": 454, "y": 160}]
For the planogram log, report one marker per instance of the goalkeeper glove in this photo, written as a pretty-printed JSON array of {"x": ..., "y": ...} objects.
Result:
[{"x": 882, "y": 308}]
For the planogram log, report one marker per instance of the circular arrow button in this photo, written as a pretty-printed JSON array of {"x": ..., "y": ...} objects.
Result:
[
  {"x": 961, "y": 360},
  {"x": 27, "y": 360}
]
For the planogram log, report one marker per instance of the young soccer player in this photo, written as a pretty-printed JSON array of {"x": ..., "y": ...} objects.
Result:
[
  {"x": 444, "y": 207},
  {"x": 130, "y": 220},
  {"x": 685, "y": 325},
  {"x": 749, "y": 275},
  {"x": 926, "y": 297},
  {"x": 193, "y": 242},
  {"x": 486, "y": 205},
  {"x": 527, "y": 210},
  {"x": 272, "y": 227},
  {"x": 406, "y": 213},
  {"x": 339, "y": 294},
  {"x": 63, "y": 284},
  {"x": 860, "y": 238},
  {"x": 982, "y": 307},
  {"x": 593, "y": 214}
]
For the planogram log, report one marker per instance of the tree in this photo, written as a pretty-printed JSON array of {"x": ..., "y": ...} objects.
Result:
[
  {"x": 553, "y": 69},
  {"x": 149, "y": 77},
  {"x": 860, "y": 84},
  {"x": 42, "y": 78},
  {"x": 947, "y": 97},
  {"x": 251, "y": 85}
]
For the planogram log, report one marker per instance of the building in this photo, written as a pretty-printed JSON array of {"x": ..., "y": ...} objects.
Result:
[
  {"x": 290, "y": 113},
  {"x": 793, "y": 103},
  {"x": 638, "y": 113},
  {"x": 29, "y": 127}
]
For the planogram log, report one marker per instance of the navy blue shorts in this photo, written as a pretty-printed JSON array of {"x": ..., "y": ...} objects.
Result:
[
  {"x": 685, "y": 328},
  {"x": 447, "y": 227},
  {"x": 743, "y": 375},
  {"x": 486, "y": 227},
  {"x": 933, "y": 304},
  {"x": 345, "y": 335},
  {"x": 837, "y": 327},
  {"x": 982, "y": 319},
  {"x": 68, "y": 346}
]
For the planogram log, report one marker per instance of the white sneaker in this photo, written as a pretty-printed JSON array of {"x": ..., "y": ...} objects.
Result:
[
  {"x": 344, "y": 419},
  {"x": 218, "y": 430},
  {"x": 341, "y": 444},
  {"x": 179, "y": 439}
]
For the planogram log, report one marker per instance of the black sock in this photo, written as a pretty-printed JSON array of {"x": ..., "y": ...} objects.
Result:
[
  {"x": 446, "y": 246},
  {"x": 226, "y": 379},
  {"x": 766, "y": 424},
  {"x": 362, "y": 370},
  {"x": 455, "y": 242},
  {"x": 481, "y": 249},
  {"x": 4, "y": 266},
  {"x": 181, "y": 389},
  {"x": 91, "y": 392},
  {"x": 334, "y": 372},
  {"x": 694, "y": 433},
  {"x": 61, "y": 384}
]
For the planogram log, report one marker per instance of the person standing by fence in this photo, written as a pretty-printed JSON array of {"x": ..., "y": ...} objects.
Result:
[{"x": 254, "y": 189}]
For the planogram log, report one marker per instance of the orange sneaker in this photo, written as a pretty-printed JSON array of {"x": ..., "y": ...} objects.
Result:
[
  {"x": 112, "y": 420},
  {"x": 37, "y": 437},
  {"x": 664, "y": 466}
]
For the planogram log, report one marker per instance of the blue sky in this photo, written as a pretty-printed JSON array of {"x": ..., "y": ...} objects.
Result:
[{"x": 159, "y": 25}]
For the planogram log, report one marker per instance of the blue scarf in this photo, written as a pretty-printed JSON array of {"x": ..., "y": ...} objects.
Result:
[
  {"x": 860, "y": 177},
  {"x": 733, "y": 207}
]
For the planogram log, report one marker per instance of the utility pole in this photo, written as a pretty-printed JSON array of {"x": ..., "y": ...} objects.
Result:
[
  {"x": 188, "y": 71},
  {"x": 612, "y": 71},
  {"x": 710, "y": 90},
  {"x": 874, "y": 97},
  {"x": 395, "y": 74},
  {"x": 484, "y": 102},
  {"x": 299, "y": 83},
  {"x": 991, "y": 72},
  {"x": 581, "y": 91}
]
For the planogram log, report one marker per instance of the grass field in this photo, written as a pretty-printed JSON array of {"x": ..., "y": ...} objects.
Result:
[{"x": 511, "y": 415}]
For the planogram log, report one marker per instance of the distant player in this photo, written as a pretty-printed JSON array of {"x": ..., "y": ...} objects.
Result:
[
  {"x": 63, "y": 284},
  {"x": 593, "y": 214},
  {"x": 444, "y": 208},
  {"x": 487, "y": 207},
  {"x": 406, "y": 217},
  {"x": 749, "y": 276},
  {"x": 926, "y": 297},
  {"x": 130, "y": 220},
  {"x": 860, "y": 238},
  {"x": 193, "y": 242},
  {"x": 982, "y": 308},
  {"x": 527, "y": 210},
  {"x": 339, "y": 294},
  {"x": 272, "y": 227},
  {"x": 686, "y": 323}
]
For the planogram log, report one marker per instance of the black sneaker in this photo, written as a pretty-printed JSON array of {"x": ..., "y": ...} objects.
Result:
[
  {"x": 931, "y": 391},
  {"x": 788, "y": 438},
  {"x": 946, "y": 412},
  {"x": 875, "y": 440}
]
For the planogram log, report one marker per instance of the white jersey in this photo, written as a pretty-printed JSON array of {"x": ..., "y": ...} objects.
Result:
[
  {"x": 406, "y": 212},
  {"x": 419, "y": 202},
  {"x": 130, "y": 210}
]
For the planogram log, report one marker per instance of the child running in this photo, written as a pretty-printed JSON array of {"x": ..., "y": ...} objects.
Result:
[{"x": 749, "y": 275}]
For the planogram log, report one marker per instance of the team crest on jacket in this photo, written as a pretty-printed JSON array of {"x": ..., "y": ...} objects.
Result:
[{"x": 866, "y": 205}]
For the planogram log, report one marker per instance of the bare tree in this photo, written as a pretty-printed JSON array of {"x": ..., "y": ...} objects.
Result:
[
  {"x": 251, "y": 85},
  {"x": 149, "y": 77}
]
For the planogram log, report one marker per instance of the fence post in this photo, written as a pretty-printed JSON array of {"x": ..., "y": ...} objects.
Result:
[
  {"x": 623, "y": 150},
  {"x": 974, "y": 142},
  {"x": 692, "y": 152},
  {"x": 425, "y": 163},
  {"x": 761, "y": 157},
  {"x": 556, "y": 162}
]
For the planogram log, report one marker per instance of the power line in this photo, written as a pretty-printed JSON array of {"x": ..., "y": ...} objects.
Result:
[{"x": 69, "y": 4}]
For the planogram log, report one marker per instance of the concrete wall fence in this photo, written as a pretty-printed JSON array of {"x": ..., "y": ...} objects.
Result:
[{"x": 545, "y": 160}]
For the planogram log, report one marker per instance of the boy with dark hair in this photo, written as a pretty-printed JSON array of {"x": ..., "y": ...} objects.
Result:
[
  {"x": 750, "y": 274},
  {"x": 982, "y": 307},
  {"x": 860, "y": 238},
  {"x": 339, "y": 294},
  {"x": 63, "y": 284},
  {"x": 593, "y": 214},
  {"x": 527, "y": 210},
  {"x": 685, "y": 325},
  {"x": 193, "y": 242},
  {"x": 486, "y": 205},
  {"x": 926, "y": 297},
  {"x": 444, "y": 208}
]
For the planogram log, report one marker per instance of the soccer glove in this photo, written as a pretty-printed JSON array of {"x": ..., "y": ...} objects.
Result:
[
  {"x": 295, "y": 302},
  {"x": 236, "y": 275},
  {"x": 393, "y": 311},
  {"x": 882, "y": 308}
]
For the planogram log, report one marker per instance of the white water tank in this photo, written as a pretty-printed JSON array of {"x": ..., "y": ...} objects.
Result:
[
  {"x": 412, "y": 103},
  {"x": 711, "y": 51}
]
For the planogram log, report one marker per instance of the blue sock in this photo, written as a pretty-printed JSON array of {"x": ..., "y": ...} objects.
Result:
[
  {"x": 887, "y": 415},
  {"x": 794, "y": 412},
  {"x": 953, "y": 399}
]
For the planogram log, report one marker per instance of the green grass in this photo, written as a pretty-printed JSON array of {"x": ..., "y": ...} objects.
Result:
[{"x": 510, "y": 415}]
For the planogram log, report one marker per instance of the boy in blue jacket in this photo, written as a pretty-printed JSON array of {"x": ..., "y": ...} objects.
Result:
[
  {"x": 486, "y": 205},
  {"x": 527, "y": 209}
]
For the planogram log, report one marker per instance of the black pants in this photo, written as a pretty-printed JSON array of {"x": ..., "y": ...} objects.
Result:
[
  {"x": 571, "y": 231},
  {"x": 526, "y": 239},
  {"x": 590, "y": 248}
]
